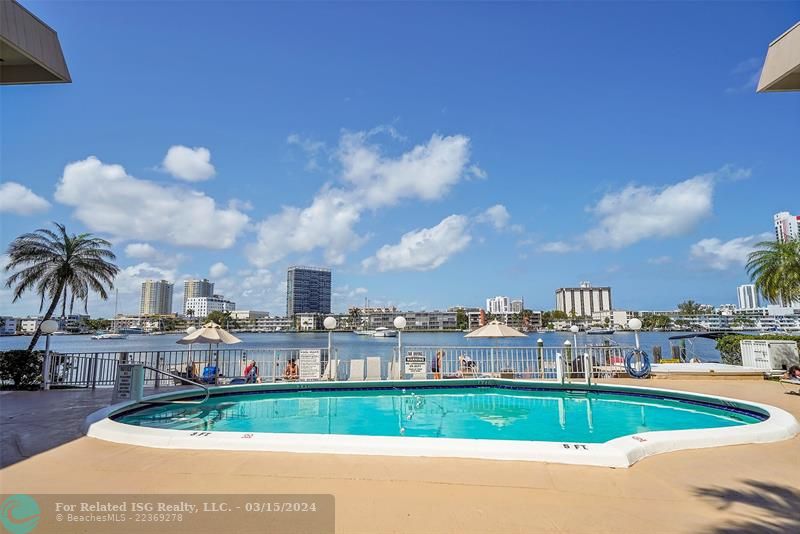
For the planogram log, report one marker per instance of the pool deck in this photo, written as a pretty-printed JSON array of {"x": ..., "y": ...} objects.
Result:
[{"x": 743, "y": 488}]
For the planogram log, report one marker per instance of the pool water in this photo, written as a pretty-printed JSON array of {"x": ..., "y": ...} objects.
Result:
[{"x": 471, "y": 413}]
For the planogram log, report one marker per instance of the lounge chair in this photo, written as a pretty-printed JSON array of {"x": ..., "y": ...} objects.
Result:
[
  {"x": 373, "y": 368},
  {"x": 209, "y": 374},
  {"x": 356, "y": 371},
  {"x": 467, "y": 367},
  {"x": 791, "y": 383}
]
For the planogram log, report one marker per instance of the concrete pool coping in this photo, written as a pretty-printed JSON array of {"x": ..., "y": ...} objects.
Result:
[{"x": 620, "y": 452}]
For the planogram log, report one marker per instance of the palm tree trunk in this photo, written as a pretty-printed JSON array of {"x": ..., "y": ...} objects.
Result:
[{"x": 47, "y": 315}]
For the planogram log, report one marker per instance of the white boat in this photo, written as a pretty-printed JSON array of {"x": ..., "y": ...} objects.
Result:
[
  {"x": 364, "y": 332},
  {"x": 115, "y": 334},
  {"x": 384, "y": 332},
  {"x": 110, "y": 335}
]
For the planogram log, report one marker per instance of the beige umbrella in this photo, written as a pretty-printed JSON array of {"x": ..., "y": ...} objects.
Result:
[
  {"x": 213, "y": 334},
  {"x": 495, "y": 329}
]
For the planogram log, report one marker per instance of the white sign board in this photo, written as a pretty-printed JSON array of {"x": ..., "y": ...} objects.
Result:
[
  {"x": 310, "y": 364},
  {"x": 415, "y": 362},
  {"x": 129, "y": 384}
]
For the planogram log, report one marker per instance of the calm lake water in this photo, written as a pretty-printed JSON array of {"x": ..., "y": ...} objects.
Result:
[{"x": 350, "y": 345}]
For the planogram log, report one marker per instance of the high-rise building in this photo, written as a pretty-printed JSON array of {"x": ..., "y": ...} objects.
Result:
[
  {"x": 786, "y": 226},
  {"x": 196, "y": 289},
  {"x": 748, "y": 297},
  {"x": 308, "y": 290},
  {"x": 156, "y": 298},
  {"x": 504, "y": 305},
  {"x": 497, "y": 305},
  {"x": 583, "y": 301}
]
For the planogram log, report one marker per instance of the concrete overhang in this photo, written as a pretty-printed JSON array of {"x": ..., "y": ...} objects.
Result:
[
  {"x": 781, "y": 70},
  {"x": 29, "y": 48}
]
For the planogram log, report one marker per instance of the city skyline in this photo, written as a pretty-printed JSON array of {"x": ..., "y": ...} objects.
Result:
[{"x": 420, "y": 191}]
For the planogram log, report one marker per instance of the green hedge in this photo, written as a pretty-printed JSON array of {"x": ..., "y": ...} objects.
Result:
[
  {"x": 22, "y": 367},
  {"x": 731, "y": 351}
]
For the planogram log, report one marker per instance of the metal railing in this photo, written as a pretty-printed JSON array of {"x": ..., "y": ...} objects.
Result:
[{"x": 567, "y": 363}]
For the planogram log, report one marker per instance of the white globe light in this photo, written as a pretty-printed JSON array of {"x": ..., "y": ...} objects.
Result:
[
  {"x": 49, "y": 326},
  {"x": 635, "y": 324},
  {"x": 400, "y": 322},
  {"x": 329, "y": 323},
  {"x": 567, "y": 343},
  {"x": 540, "y": 340},
  {"x": 574, "y": 329},
  {"x": 190, "y": 329}
]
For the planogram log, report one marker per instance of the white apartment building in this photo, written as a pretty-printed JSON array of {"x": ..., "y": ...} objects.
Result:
[
  {"x": 786, "y": 226},
  {"x": 583, "y": 301},
  {"x": 202, "y": 306},
  {"x": 273, "y": 323},
  {"x": 196, "y": 289},
  {"x": 8, "y": 325},
  {"x": 28, "y": 325},
  {"x": 748, "y": 297},
  {"x": 248, "y": 315},
  {"x": 156, "y": 297},
  {"x": 504, "y": 305}
]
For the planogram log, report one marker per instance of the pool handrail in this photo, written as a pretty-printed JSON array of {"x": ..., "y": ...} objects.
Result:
[{"x": 182, "y": 379}]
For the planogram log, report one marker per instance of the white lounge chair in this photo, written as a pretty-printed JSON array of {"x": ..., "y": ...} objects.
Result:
[
  {"x": 356, "y": 371},
  {"x": 373, "y": 368}
]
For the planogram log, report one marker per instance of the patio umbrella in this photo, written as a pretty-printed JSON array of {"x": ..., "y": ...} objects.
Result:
[
  {"x": 495, "y": 330},
  {"x": 213, "y": 334}
]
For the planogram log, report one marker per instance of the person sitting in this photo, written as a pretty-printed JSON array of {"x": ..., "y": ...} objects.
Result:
[
  {"x": 251, "y": 372},
  {"x": 793, "y": 374},
  {"x": 190, "y": 374},
  {"x": 292, "y": 372}
]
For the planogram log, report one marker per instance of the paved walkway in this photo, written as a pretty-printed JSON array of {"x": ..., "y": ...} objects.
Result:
[{"x": 746, "y": 488}]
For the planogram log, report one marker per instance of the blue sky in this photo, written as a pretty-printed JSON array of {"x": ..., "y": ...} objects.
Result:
[{"x": 431, "y": 154}]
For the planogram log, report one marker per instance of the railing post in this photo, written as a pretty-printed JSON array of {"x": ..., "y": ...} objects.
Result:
[
  {"x": 559, "y": 367},
  {"x": 94, "y": 370},
  {"x": 158, "y": 366},
  {"x": 587, "y": 367}
]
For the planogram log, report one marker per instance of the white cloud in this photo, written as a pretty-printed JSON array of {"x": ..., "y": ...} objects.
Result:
[
  {"x": 106, "y": 199},
  {"x": 497, "y": 216},
  {"x": 327, "y": 223},
  {"x": 371, "y": 180},
  {"x": 641, "y": 212},
  {"x": 424, "y": 249},
  {"x": 190, "y": 164},
  {"x": 558, "y": 247},
  {"x": 217, "y": 270},
  {"x": 659, "y": 260},
  {"x": 18, "y": 199},
  {"x": 140, "y": 250},
  {"x": 721, "y": 255},
  {"x": 476, "y": 172},
  {"x": 311, "y": 147},
  {"x": 427, "y": 171}
]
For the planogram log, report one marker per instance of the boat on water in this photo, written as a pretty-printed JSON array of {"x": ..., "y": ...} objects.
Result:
[
  {"x": 600, "y": 331},
  {"x": 384, "y": 332},
  {"x": 131, "y": 330},
  {"x": 110, "y": 335},
  {"x": 115, "y": 334},
  {"x": 364, "y": 332}
]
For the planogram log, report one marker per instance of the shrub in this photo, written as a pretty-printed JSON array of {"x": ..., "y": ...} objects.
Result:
[
  {"x": 731, "y": 351},
  {"x": 23, "y": 367}
]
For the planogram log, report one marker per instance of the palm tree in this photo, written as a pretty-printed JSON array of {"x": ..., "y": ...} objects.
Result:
[
  {"x": 56, "y": 264},
  {"x": 774, "y": 267}
]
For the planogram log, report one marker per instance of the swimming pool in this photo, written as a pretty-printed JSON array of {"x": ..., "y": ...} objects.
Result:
[{"x": 486, "y": 418}]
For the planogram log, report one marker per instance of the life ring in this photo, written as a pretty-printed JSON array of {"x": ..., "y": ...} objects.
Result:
[{"x": 644, "y": 368}]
